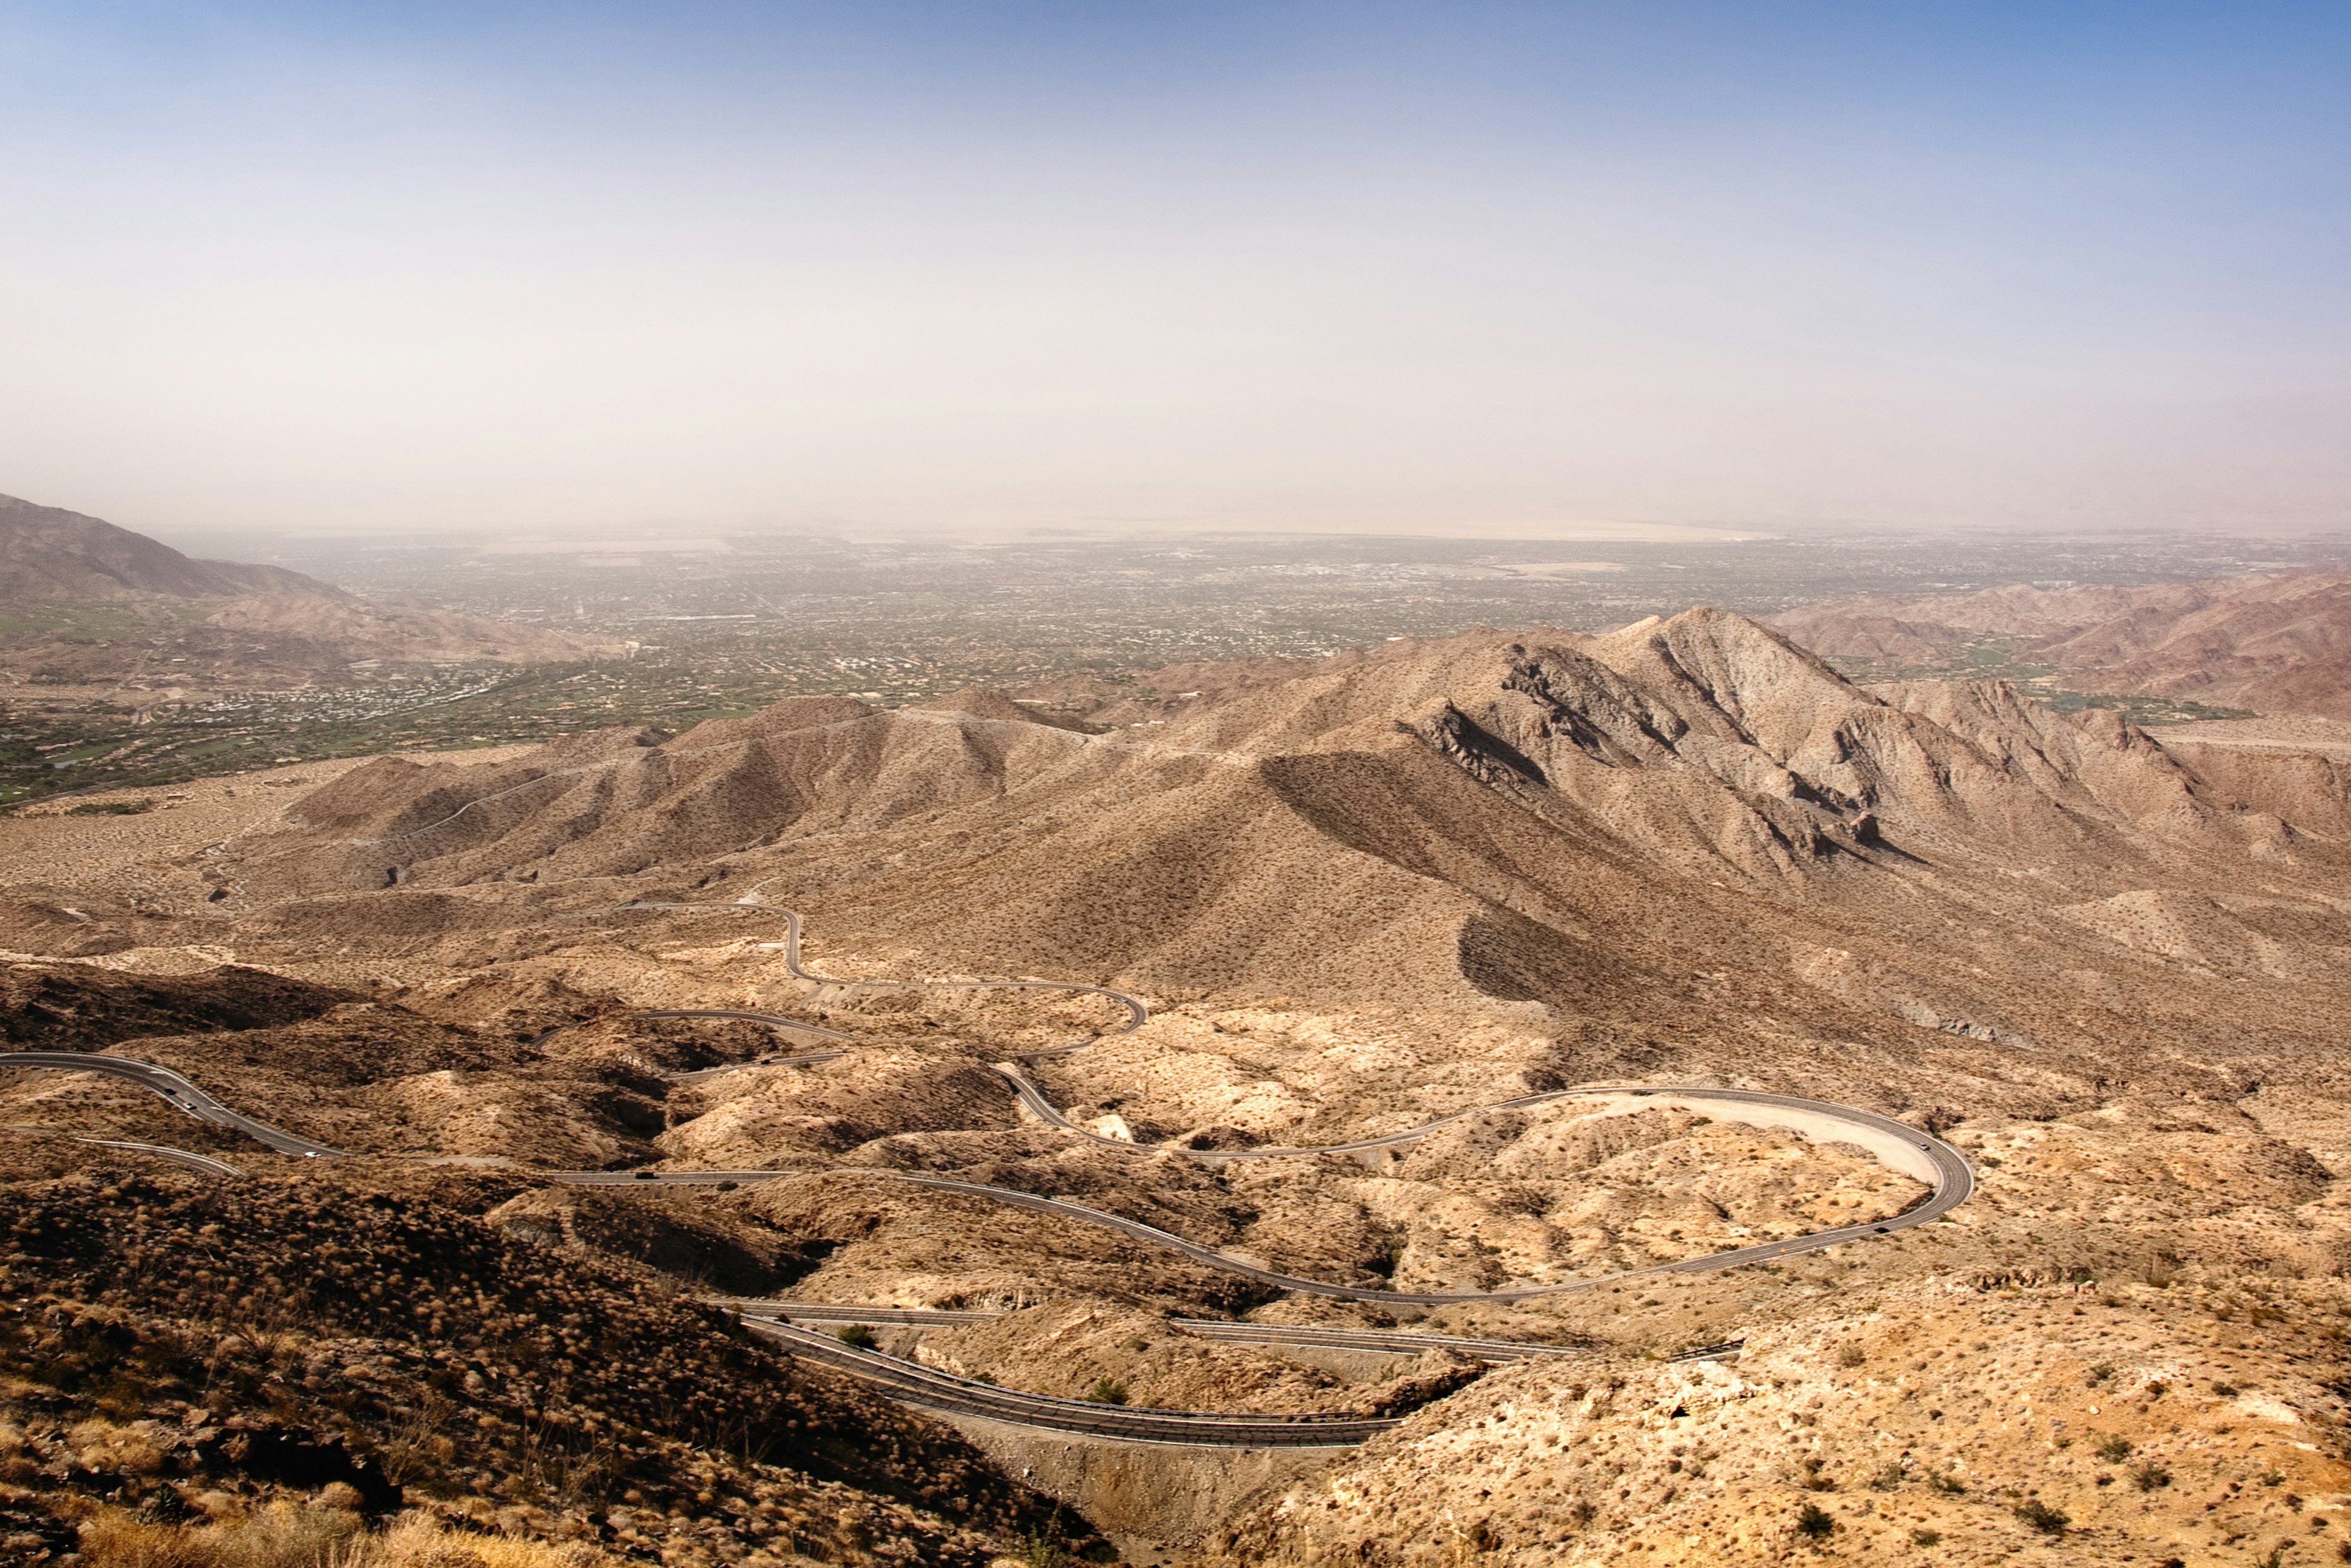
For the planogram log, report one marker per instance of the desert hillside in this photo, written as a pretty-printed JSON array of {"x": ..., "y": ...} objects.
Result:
[
  {"x": 49, "y": 553},
  {"x": 1345, "y": 899},
  {"x": 91, "y": 601},
  {"x": 2269, "y": 643}
]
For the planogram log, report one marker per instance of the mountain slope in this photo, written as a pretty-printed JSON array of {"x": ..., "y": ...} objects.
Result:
[
  {"x": 2271, "y": 643},
  {"x": 47, "y": 552},
  {"x": 374, "y": 1350},
  {"x": 92, "y": 602}
]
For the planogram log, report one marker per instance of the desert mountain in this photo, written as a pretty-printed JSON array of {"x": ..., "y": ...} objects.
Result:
[
  {"x": 47, "y": 552},
  {"x": 2271, "y": 643},
  {"x": 94, "y": 602},
  {"x": 1357, "y": 895},
  {"x": 1649, "y": 826}
]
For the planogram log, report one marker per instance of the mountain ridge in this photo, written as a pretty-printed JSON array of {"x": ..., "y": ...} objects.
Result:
[
  {"x": 2276, "y": 641},
  {"x": 96, "y": 602},
  {"x": 48, "y": 552}
]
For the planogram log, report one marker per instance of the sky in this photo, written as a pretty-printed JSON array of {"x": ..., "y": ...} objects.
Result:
[{"x": 1458, "y": 268}]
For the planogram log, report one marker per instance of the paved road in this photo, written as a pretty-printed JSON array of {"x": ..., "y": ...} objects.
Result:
[
  {"x": 1957, "y": 1183},
  {"x": 1952, "y": 1179},
  {"x": 806, "y": 1058},
  {"x": 1386, "y": 1341},
  {"x": 204, "y": 1163},
  {"x": 1151, "y": 1235},
  {"x": 829, "y": 1312},
  {"x": 173, "y": 1088},
  {"x": 665, "y": 1178},
  {"x": 773, "y": 1020},
  {"x": 1952, "y": 1169},
  {"x": 911, "y": 1383}
]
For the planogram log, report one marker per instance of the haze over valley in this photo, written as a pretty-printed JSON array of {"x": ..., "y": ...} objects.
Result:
[
  {"x": 434, "y": 641},
  {"x": 1293, "y": 786}
]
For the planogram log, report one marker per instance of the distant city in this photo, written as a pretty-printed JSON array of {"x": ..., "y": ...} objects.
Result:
[{"x": 900, "y": 622}]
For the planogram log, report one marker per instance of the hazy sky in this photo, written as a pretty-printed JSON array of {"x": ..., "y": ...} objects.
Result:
[{"x": 512, "y": 266}]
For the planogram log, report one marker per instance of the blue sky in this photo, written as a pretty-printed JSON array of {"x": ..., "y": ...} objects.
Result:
[{"x": 1454, "y": 267}]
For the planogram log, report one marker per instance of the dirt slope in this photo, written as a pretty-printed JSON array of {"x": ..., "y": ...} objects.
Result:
[{"x": 1638, "y": 828}]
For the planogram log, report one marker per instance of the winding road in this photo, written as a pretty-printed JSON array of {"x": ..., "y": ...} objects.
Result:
[
  {"x": 1138, "y": 1011},
  {"x": 1943, "y": 1168},
  {"x": 204, "y": 1165},
  {"x": 1386, "y": 1342},
  {"x": 173, "y": 1090},
  {"x": 773, "y": 1020},
  {"x": 915, "y": 1384}
]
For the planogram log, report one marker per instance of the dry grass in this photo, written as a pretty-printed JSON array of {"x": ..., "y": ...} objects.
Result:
[{"x": 285, "y": 1535}]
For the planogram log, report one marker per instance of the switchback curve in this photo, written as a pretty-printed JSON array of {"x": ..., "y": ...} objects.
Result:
[{"x": 173, "y": 1090}]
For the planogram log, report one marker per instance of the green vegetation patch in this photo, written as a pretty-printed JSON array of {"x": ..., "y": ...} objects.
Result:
[
  {"x": 2138, "y": 710},
  {"x": 71, "y": 621},
  {"x": 112, "y": 808}
]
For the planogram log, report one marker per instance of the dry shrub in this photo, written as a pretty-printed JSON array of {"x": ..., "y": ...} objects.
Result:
[
  {"x": 285, "y": 1535},
  {"x": 116, "y": 1539},
  {"x": 281, "y": 1535},
  {"x": 100, "y": 1445},
  {"x": 416, "y": 1540}
]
